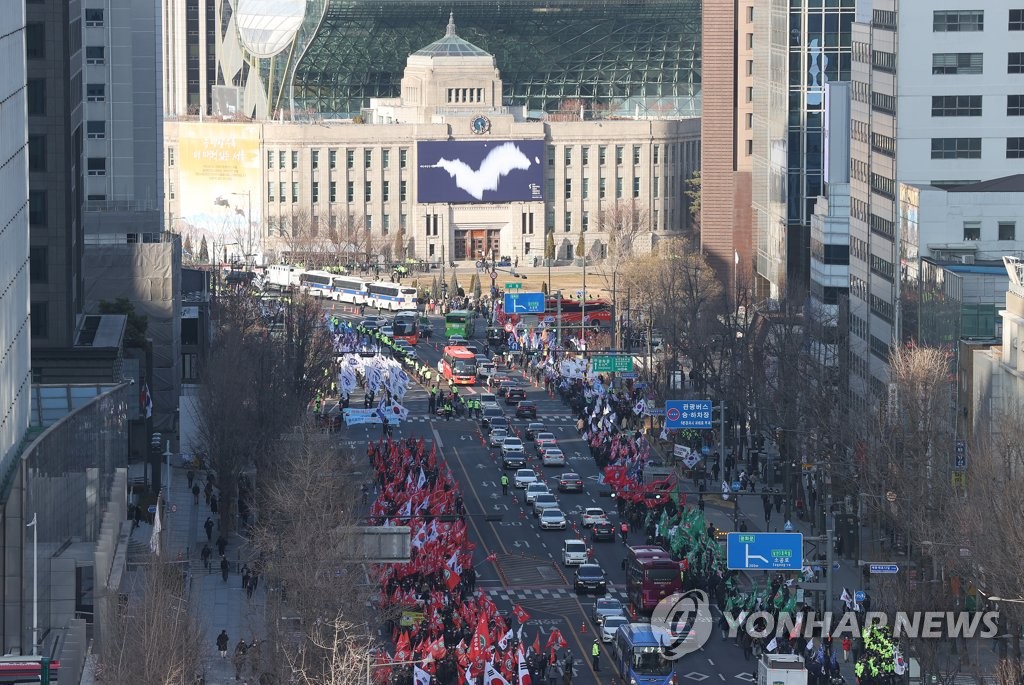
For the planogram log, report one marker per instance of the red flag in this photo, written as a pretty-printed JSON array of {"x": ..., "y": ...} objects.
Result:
[
  {"x": 536, "y": 643},
  {"x": 520, "y": 613},
  {"x": 402, "y": 650},
  {"x": 553, "y": 639},
  {"x": 491, "y": 557},
  {"x": 451, "y": 578},
  {"x": 437, "y": 649}
]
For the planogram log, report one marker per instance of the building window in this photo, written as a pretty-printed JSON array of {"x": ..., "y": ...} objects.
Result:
[
  {"x": 618, "y": 155},
  {"x": 880, "y": 102},
  {"x": 403, "y": 157},
  {"x": 958, "y": 20},
  {"x": 270, "y": 191},
  {"x": 367, "y": 159},
  {"x": 1015, "y": 63},
  {"x": 35, "y": 94},
  {"x": 96, "y": 92},
  {"x": 368, "y": 191},
  {"x": 618, "y": 188},
  {"x": 1007, "y": 230},
  {"x": 170, "y": 189},
  {"x": 350, "y": 159},
  {"x": 956, "y": 105},
  {"x": 602, "y": 155},
  {"x": 636, "y": 186},
  {"x": 882, "y": 267},
  {"x": 568, "y": 188},
  {"x": 568, "y": 156},
  {"x": 1016, "y": 20},
  {"x": 332, "y": 159},
  {"x": 96, "y": 166},
  {"x": 97, "y": 130},
  {"x": 883, "y": 60},
  {"x": 314, "y": 159},
  {"x": 403, "y": 191},
  {"x": 601, "y": 190},
  {"x": 749, "y": 147},
  {"x": 883, "y": 144},
  {"x": 35, "y": 40},
  {"x": 1015, "y": 148},
  {"x": 957, "y": 62},
  {"x": 636, "y": 155},
  {"x": 585, "y": 156},
  {"x": 295, "y": 191},
  {"x": 332, "y": 192},
  {"x": 551, "y": 156},
  {"x": 655, "y": 154},
  {"x": 40, "y": 314},
  {"x": 956, "y": 148},
  {"x": 403, "y": 221},
  {"x": 1015, "y": 105},
  {"x": 37, "y": 210},
  {"x": 38, "y": 264},
  {"x": 282, "y": 195},
  {"x": 884, "y": 186},
  {"x": 585, "y": 188},
  {"x": 972, "y": 230},
  {"x": 93, "y": 17},
  {"x": 369, "y": 222},
  {"x": 280, "y": 159},
  {"x": 385, "y": 191},
  {"x": 385, "y": 159},
  {"x": 37, "y": 153},
  {"x": 295, "y": 159},
  {"x": 585, "y": 221},
  {"x": 568, "y": 222},
  {"x": 385, "y": 224},
  {"x": 350, "y": 192},
  {"x": 95, "y": 54}
]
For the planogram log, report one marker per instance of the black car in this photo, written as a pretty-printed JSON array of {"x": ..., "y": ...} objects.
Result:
[
  {"x": 603, "y": 532},
  {"x": 570, "y": 482},
  {"x": 513, "y": 395},
  {"x": 489, "y": 415},
  {"x": 526, "y": 410},
  {"x": 500, "y": 422},
  {"x": 590, "y": 578},
  {"x": 496, "y": 337},
  {"x": 514, "y": 460}
]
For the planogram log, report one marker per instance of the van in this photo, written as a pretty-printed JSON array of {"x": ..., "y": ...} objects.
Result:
[{"x": 574, "y": 552}]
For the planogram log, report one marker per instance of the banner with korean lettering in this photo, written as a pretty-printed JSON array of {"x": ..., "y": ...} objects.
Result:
[{"x": 219, "y": 187}]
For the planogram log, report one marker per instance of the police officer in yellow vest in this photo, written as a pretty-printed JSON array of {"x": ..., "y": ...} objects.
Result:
[{"x": 595, "y": 653}]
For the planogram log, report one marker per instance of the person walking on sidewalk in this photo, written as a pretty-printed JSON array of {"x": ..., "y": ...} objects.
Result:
[
  {"x": 208, "y": 527},
  {"x": 206, "y": 554},
  {"x": 195, "y": 494},
  {"x": 213, "y": 504},
  {"x": 847, "y": 644},
  {"x": 239, "y": 658},
  {"x": 222, "y": 644},
  {"x": 222, "y": 544},
  {"x": 191, "y": 475},
  {"x": 224, "y": 568}
]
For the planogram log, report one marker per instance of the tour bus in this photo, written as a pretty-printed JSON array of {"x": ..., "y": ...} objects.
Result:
[
  {"x": 651, "y": 575},
  {"x": 638, "y": 655},
  {"x": 317, "y": 283},
  {"x": 348, "y": 289},
  {"x": 406, "y": 327},
  {"x": 458, "y": 365},
  {"x": 393, "y": 296},
  {"x": 460, "y": 323}
]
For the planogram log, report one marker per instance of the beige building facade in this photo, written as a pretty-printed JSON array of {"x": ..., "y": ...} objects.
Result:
[{"x": 368, "y": 181}]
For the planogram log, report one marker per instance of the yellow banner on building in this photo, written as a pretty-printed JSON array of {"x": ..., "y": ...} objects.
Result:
[{"x": 219, "y": 182}]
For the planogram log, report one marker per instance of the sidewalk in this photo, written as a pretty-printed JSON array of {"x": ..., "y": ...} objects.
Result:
[{"x": 218, "y": 605}]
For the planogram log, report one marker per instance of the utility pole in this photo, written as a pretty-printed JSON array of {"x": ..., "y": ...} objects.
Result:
[
  {"x": 721, "y": 438},
  {"x": 34, "y": 525}
]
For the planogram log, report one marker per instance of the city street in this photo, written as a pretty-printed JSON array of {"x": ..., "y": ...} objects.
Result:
[{"x": 528, "y": 569}]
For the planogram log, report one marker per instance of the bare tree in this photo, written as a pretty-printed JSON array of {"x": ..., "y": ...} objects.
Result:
[
  {"x": 155, "y": 639},
  {"x": 339, "y": 654}
]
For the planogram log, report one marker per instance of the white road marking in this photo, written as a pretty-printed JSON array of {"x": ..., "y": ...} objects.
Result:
[{"x": 437, "y": 436}]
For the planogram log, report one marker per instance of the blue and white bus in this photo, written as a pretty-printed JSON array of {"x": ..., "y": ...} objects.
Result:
[
  {"x": 349, "y": 289},
  {"x": 316, "y": 283},
  {"x": 638, "y": 655},
  {"x": 393, "y": 296}
]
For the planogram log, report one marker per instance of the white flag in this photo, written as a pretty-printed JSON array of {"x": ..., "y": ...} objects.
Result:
[
  {"x": 847, "y": 599},
  {"x": 772, "y": 646},
  {"x": 503, "y": 642},
  {"x": 154, "y": 539}
]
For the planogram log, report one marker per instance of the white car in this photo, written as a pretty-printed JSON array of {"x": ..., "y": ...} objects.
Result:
[
  {"x": 546, "y": 440},
  {"x": 611, "y": 626},
  {"x": 524, "y": 477},
  {"x": 542, "y": 502},
  {"x": 552, "y": 519},
  {"x": 553, "y": 457},
  {"x": 574, "y": 552},
  {"x": 592, "y": 515},
  {"x": 497, "y": 437},
  {"x": 511, "y": 445},
  {"x": 534, "y": 489},
  {"x": 489, "y": 399}
]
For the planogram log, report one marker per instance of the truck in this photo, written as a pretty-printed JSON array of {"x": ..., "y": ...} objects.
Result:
[
  {"x": 781, "y": 669},
  {"x": 281, "y": 277}
]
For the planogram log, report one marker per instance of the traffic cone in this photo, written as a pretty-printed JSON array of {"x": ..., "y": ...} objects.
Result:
[{"x": 583, "y": 627}]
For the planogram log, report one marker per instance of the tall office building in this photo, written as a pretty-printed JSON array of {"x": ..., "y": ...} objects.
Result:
[
  {"x": 191, "y": 36},
  {"x": 804, "y": 45},
  {"x": 727, "y": 132},
  {"x": 56, "y": 96},
  {"x": 938, "y": 99},
  {"x": 15, "y": 266}
]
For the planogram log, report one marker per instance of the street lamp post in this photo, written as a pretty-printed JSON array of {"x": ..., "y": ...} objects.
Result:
[{"x": 34, "y": 525}]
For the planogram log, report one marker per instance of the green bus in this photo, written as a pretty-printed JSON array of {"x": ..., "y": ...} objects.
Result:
[{"x": 459, "y": 323}]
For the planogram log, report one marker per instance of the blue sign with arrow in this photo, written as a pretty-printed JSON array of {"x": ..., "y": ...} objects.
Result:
[
  {"x": 858, "y": 596},
  {"x": 765, "y": 551},
  {"x": 524, "y": 303}
]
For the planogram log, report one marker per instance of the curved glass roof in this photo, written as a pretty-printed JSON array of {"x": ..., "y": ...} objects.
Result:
[
  {"x": 615, "y": 54},
  {"x": 451, "y": 45}
]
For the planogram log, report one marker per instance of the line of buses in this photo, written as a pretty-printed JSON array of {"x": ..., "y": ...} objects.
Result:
[{"x": 357, "y": 291}]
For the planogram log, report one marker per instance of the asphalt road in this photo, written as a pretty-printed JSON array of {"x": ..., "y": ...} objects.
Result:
[{"x": 528, "y": 569}]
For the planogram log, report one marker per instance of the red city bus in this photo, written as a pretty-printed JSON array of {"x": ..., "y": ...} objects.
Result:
[
  {"x": 458, "y": 365},
  {"x": 26, "y": 669},
  {"x": 406, "y": 327},
  {"x": 651, "y": 575}
]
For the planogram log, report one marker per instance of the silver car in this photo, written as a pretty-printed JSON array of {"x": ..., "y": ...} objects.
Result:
[
  {"x": 542, "y": 502},
  {"x": 534, "y": 489},
  {"x": 552, "y": 519},
  {"x": 605, "y": 607},
  {"x": 497, "y": 437}
]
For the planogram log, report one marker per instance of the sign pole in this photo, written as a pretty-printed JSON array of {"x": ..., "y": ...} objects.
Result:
[
  {"x": 829, "y": 559},
  {"x": 721, "y": 438}
]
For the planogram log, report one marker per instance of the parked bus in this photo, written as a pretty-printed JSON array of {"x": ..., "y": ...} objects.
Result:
[
  {"x": 282, "y": 277},
  {"x": 393, "y": 296},
  {"x": 27, "y": 669},
  {"x": 317, "y": 283},
  {"x": 461, "y": 323},
  {"x": 458, "y": 365},
  {"x": 349, "y": 289},
  {"x": 637, "y": 653},
  {"x": 406, "y": 327},
  {"x": 651, "y": 575}
]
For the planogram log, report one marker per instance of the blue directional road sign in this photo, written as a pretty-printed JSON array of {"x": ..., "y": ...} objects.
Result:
[
  {"x": 765, "y": 551},
  {"x": 524, "y": 303},
  {"x": 687, "y": 413},
  {"x": 884, "y": 568},
  {"x": 858, "y": 596}
]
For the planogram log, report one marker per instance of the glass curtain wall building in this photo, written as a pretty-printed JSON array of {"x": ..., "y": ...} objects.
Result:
[{"x": 621, "y": 56}]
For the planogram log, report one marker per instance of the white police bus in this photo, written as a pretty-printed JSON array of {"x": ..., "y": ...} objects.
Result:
[
  {"x": 316, "y": 283},
  {"x": 349, "y": 289},
  {"x": 393, "y": 296}
]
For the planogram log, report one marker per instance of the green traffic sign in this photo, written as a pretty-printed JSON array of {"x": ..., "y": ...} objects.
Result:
[
  {"x": 611, "y": 364},
  {"x": 513, "y": 286}
]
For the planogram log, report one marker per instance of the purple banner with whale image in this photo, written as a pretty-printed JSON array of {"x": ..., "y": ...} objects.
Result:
[{"x": 480, "y": 171}]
